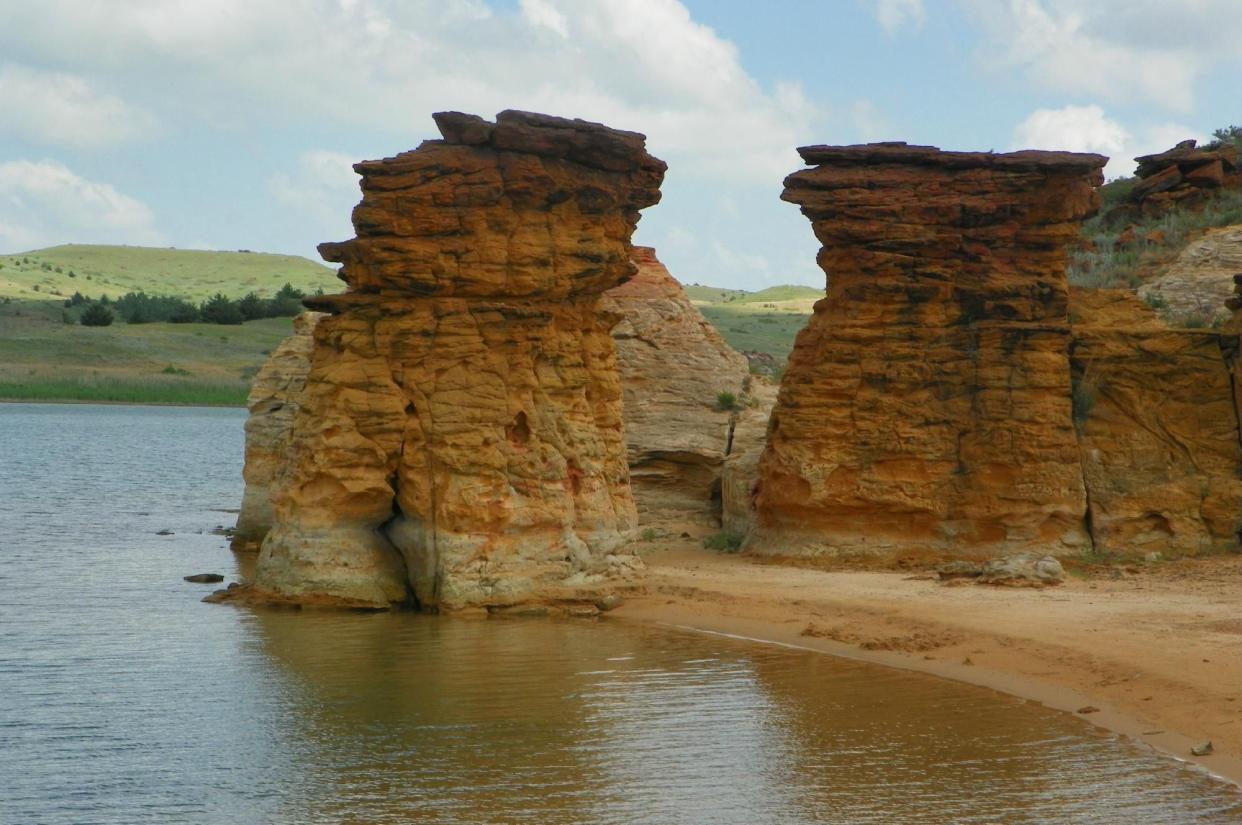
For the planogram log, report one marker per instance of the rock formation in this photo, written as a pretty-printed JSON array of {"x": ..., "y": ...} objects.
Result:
[
  {"x": 1181, "y": 176},
  {"x": 460, "y": 435},
  {"x": 926, "y": 407},
  {"x": 1158, "y": 426},
  {"x": 739, "y": 479},
  {"x": 272, "y": 403},
  {"x": 1200, "y": 280},
  {"x": 674, "y": 367}
]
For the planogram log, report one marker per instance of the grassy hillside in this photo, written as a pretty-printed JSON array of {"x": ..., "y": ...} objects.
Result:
[
  {"x": 42, "y": 358},
  {"x": 783, "y": 294},
  {"x": 59, "y": 271},
  {"x": 713, "y": 294}
]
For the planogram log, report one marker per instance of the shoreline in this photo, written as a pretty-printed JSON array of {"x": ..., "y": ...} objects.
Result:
[
  {"x": 1091, "y": 652},
  {"x": 121, "y": 403}
]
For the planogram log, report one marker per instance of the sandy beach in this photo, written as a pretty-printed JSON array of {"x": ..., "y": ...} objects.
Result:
[{"x": 1150, "y": 651}]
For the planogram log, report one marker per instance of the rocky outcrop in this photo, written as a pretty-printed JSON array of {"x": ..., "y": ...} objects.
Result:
[
  {"x": 926, "y": 407},
  {"x": 740, "y": 478},
  {"x": 272, "y": 403},
  {"x": 1199, "y": 282},
  {"x": 1183, "y": 176},
  {"x": 1160, "y": 445},
  {"x": 674, "y": 369},
  {"x": 460, "y": 434}
]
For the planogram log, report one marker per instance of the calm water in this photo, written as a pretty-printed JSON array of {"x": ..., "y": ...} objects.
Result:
[{"x": 124, "y": 699}]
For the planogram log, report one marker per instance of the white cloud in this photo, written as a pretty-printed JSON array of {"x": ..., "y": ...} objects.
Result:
[
  {"x": 1115, "y": 50},
  {"x": 43, "y": 203},
  {"x": 323, "y": 188},
  {"x": 542, "y": 14},
  {"x": 1089, "y": 129},
  {"x": 66, "y": 110},
  {"x": 636, "y": 64},
  {"x": 893, "y": 14}
]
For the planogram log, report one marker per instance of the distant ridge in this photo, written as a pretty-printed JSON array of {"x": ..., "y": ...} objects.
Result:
[{"x": 93, "y": 270}]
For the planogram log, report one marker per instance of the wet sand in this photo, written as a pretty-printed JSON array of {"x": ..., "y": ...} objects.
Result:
[{"x": 1157, "y": 649}]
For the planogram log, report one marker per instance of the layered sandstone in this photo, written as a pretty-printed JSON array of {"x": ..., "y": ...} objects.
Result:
[
  {"x": 674, "y": 367},
  {"x": 460, "y": 434},
  {"x": 1158, "y": 428},
  {"x": 1182, "y": 176},
  {"x": 1200, "y": 280},
  {"x": 926, "y": 407},
  {"x": 272, "y": 404}
]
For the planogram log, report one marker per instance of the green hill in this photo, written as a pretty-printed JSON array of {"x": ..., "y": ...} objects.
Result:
[
  {"x": 785, "y": 292},
  {"x": 713, "y": 294},
  {"x": 59, "y": 271}
]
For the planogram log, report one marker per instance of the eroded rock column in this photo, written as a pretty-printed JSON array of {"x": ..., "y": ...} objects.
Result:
[
  {"x": 272, "y": 403},
  {"x": 460, "y": 436},
  {"x": 926, "y": 407}
]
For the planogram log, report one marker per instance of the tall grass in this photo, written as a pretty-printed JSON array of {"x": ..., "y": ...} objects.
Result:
[
  {"x": 1106, "y": 264},
  {"x": 126, "y": 391}
]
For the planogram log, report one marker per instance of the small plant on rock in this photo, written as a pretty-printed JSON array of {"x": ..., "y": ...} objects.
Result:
[
  {"x": 726, "y": 541},
  {"x": 726, "y": 401}
]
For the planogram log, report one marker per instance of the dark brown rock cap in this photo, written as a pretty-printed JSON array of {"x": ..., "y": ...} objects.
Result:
[
  {"x": 581, "y": 141},
  {"x": 900, "y": 152},
  {"x": 1187, "y": 157}
]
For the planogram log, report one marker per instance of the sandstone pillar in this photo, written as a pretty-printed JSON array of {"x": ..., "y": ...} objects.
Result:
[
  {"x": 460, "y": 435},
  {"x": 926, "y": 407}
]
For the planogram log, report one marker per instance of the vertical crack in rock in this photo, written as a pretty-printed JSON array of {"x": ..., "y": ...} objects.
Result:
[
  {"x": 923, "y": 410},
  {"x": 475, "y": 277},
  {"x": 1158, "y": 429}
]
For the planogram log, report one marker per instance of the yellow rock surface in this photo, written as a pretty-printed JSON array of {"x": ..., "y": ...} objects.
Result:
[
  {"x": 272, "y": 403},
  {"x": 460, "y": 435}
]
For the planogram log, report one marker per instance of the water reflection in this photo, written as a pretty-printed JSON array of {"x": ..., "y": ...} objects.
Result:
[
  {"x": 413, "y": 718},
  {"x": 123, "y": 699}
]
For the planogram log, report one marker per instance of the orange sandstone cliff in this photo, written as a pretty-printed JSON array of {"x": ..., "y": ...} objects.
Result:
[
  {"x": 926, "y": 407},
  {"x": 460, "y": 437},
  {"x": 1158, "y": 429}
]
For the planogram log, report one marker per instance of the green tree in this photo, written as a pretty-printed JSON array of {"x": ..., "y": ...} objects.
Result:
[
  {"x": 252, "y": 306},
  {"x": 97, "y": 315},
  {"x": 218, "y": 309}
]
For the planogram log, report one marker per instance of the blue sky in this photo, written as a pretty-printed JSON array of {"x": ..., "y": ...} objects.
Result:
[{"x": 230, "y": 124}]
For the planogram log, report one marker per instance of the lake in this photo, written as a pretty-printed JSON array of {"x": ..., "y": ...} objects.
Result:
[{"x": 124, "y": 699}]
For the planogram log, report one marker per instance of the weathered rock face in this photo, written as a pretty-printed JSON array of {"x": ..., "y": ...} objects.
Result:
[
  {"x": 926, "y": 407},
  {"x": 740, "y": 477},
  {"x": 1181, "y": 176},
  {"x": 460, "y": 435},
  {"x": 673, "y": 366},
  {"x": 272, "y": 403},
  {"x": 1200, "y": 280},
  {"x": 1159, "y": 430}
]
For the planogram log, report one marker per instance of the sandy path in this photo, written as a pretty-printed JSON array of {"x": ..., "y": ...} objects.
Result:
[{"x": 1158, "y": 649}]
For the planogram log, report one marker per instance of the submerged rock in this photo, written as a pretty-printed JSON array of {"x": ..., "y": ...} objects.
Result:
[
  {"x": 204, "y": 578},
  {"x": 460, "y": 436}
]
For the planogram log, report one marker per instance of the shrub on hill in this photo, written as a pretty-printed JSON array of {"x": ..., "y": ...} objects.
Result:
[{"x": 97, "y": 315}]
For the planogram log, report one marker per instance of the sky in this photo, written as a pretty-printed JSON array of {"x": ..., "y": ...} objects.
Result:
[{"x": 233, "y": 124}]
